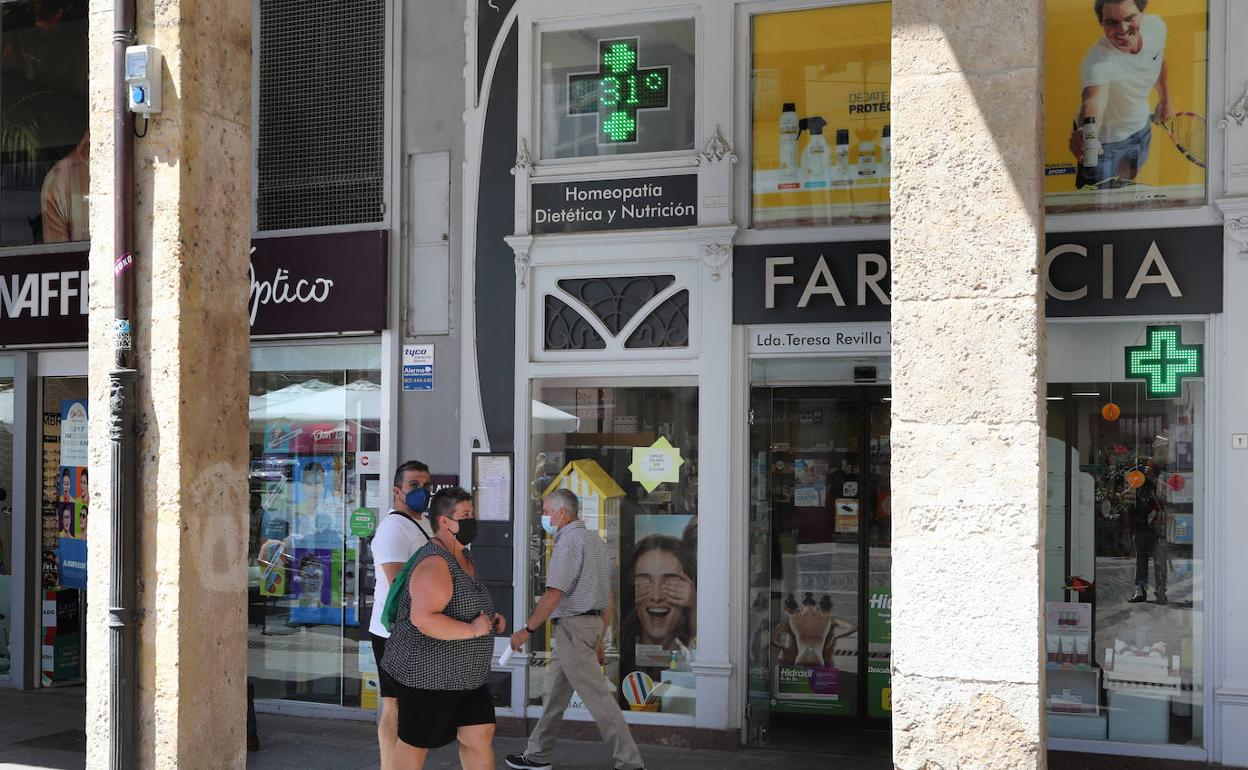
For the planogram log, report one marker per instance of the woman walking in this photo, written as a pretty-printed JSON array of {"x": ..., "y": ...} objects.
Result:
[{"x": 441, "y": 644}]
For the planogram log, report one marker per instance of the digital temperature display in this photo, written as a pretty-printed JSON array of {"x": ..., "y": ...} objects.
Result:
[{"x": 618, "y": 91}]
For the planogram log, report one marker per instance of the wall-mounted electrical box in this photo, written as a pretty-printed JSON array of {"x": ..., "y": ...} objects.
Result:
[{"x": 143, "y": 76}]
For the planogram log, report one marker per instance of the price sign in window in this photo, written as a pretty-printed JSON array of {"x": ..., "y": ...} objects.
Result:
[{"x": 614, "y": 90}]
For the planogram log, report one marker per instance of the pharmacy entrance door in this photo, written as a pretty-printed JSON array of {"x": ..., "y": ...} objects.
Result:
[{"x": 819, "y": 578}]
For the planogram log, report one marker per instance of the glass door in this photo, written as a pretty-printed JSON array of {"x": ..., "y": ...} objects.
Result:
[{"x": 820, "y": 562}]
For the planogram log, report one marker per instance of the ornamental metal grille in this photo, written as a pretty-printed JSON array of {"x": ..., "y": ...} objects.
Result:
[
  {"x": 321, "y": 123},
  {"x": 567, "y": 329},
  {"x": 616, "y": 300},
  {"x": 666, "y": 327}
]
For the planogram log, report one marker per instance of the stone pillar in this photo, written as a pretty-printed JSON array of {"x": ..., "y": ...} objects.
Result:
[
  {"x": 192, "y": 227},
  {"x": 968, "y": 382}
]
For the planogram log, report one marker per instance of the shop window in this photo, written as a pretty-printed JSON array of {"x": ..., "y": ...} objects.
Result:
[
  {"x": 63, "y": 506},
  {"x": 6, "y": 511},
  {"x": 44, "y": 145},
  {"x": 820, "y": 110},
  {"x": 1138, "y": 70},
  {"x": 315, "y": 417},
  {"x": 820, "y": 116},
  {"x": 630, "y": 454},
  {"x": 1125, "y": 528},
  {"x": 320, "y": 140},
  {"x": 618, "y": 90}
]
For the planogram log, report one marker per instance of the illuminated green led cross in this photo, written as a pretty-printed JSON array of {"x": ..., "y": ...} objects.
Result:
[
  {"x": 617, "y": 91},
  {"x": 1164, "y": 362}
]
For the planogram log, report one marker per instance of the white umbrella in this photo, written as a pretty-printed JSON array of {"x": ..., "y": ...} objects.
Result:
[
  {"x": 548, "y": 419},
  {"x": 317, "y": 401}
]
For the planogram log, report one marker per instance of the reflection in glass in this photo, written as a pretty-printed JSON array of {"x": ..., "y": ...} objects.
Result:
[
  {"x": 6, "y": 513},
  {"x": 639, "y": 494},
  {"x": 1123, "y": 643},
  {"x": 44, "y": 145},
  {"x": 308, "y": 426}
]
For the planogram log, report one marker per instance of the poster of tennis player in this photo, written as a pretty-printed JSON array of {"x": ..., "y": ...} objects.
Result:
[{"x": 1125, "y": 104}]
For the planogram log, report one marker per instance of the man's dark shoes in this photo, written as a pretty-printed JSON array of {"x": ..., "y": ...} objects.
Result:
[
  {"x": 521, "y": 762},
  {"x": 1138, "y": 597},
  {"x": 1161, "y": 599}
]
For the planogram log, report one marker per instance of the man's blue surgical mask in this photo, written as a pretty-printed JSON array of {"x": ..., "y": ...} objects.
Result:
[{"x": 549, "y": 525}]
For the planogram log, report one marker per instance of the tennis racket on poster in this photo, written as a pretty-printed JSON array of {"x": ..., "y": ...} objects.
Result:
[{"x": 1187, "y": 130}]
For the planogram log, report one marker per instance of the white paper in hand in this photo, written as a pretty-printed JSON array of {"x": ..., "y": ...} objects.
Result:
[{"x": 505, "y": 658}]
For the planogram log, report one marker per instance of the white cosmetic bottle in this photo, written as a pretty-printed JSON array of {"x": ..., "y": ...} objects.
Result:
[
  {"x": 1091, "y": 143},
  {"x": 866, "y": 159},
  {"x": 886, "y": 150},
  {"x": 789, "y": 130},
  {"x": 815, "y": 160},
  {"x": 842, "y": 152}
]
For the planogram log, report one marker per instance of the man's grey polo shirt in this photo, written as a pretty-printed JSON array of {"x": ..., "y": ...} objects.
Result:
[{"x": 580, "y": 567}]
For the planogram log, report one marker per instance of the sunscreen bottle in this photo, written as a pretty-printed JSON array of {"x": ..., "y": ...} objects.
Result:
[
  {"x": 789, "y": 130},
  {"x": 866, "y": 158},
  {"x": 886, "y": 149},
  {"x": 1091, "y": 144},
  {"x": 815, "y": 158},
  {"x": 842, "y": 152}
]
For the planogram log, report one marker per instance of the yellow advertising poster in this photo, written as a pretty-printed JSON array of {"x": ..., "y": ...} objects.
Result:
[
  {"x": 1127, "y": 78},
  {"x": 820, "y": 116},
  {"x": 1124, "y": 77}
]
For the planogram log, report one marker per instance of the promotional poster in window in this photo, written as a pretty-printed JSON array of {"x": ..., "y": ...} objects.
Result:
[{"x": 1124, "y": 99}]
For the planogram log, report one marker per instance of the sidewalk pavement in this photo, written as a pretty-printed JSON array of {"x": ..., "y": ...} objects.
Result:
[{"x": 44, "y": 729}]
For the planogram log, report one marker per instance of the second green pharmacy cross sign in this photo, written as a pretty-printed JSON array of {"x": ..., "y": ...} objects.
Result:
[
  {"x": 1164, "y": 362},
  {"x": 618, "y": 91}
]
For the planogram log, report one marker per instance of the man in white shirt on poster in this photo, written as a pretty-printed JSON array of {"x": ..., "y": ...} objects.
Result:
[
  {"x": 399, "y": 535},
  {"x": 1118, "y": 75}
]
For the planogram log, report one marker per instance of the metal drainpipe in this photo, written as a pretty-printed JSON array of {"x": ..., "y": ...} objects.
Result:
[{"x": 122, "y": 618}]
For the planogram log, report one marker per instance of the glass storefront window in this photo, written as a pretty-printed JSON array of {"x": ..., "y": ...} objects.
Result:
[
  {"x": 1139, "y": 71},
  {"x": 821, "y": 105},
  {"x": 630, "y": 453},
  {"x": 6, "y": 511},
  {"x": 820, "y": 116},
  {"x": 64, "y": 502},
  {"x": 1123, "y": 546},
  {"x": 44, "y": 145},
  {"x": 315, "y": 414},
  {"x": 618, "y": 90}
]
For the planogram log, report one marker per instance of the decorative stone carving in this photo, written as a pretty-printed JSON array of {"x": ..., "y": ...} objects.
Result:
[
  {"x": 716, "y": 150},
  {"x": 1237, "y": 112},
  {"x": 520, "y": 245},
  {"x": 1237, "y": 233},
  {"x": 716, "y": 256},
  {"x": 524, "y": 161}
]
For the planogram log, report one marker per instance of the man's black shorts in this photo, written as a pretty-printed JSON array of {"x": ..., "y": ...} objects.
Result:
[
  {"x": 389, "y": 687},
  {"x": 430, "y": 719}
]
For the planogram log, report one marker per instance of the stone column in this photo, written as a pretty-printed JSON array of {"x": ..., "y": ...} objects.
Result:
[
  {"x": 193, "y": 225},
  {"x": 968, "y": 381}
]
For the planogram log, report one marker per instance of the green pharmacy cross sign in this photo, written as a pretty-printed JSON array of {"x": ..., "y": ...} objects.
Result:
[
  {"x": 1164, "y": 362},
  {"x": 618, "y": 91}
]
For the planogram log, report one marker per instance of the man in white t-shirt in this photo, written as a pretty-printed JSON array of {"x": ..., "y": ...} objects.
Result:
[
  {"x": 400, "y": 534},
  {"x": 1118, "y": 74}
]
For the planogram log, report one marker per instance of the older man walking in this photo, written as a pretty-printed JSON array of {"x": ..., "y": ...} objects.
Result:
[{"x": 578, "y": 597}]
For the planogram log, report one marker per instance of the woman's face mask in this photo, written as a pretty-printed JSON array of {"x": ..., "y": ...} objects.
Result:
[{"x": 467, "y": 531}]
